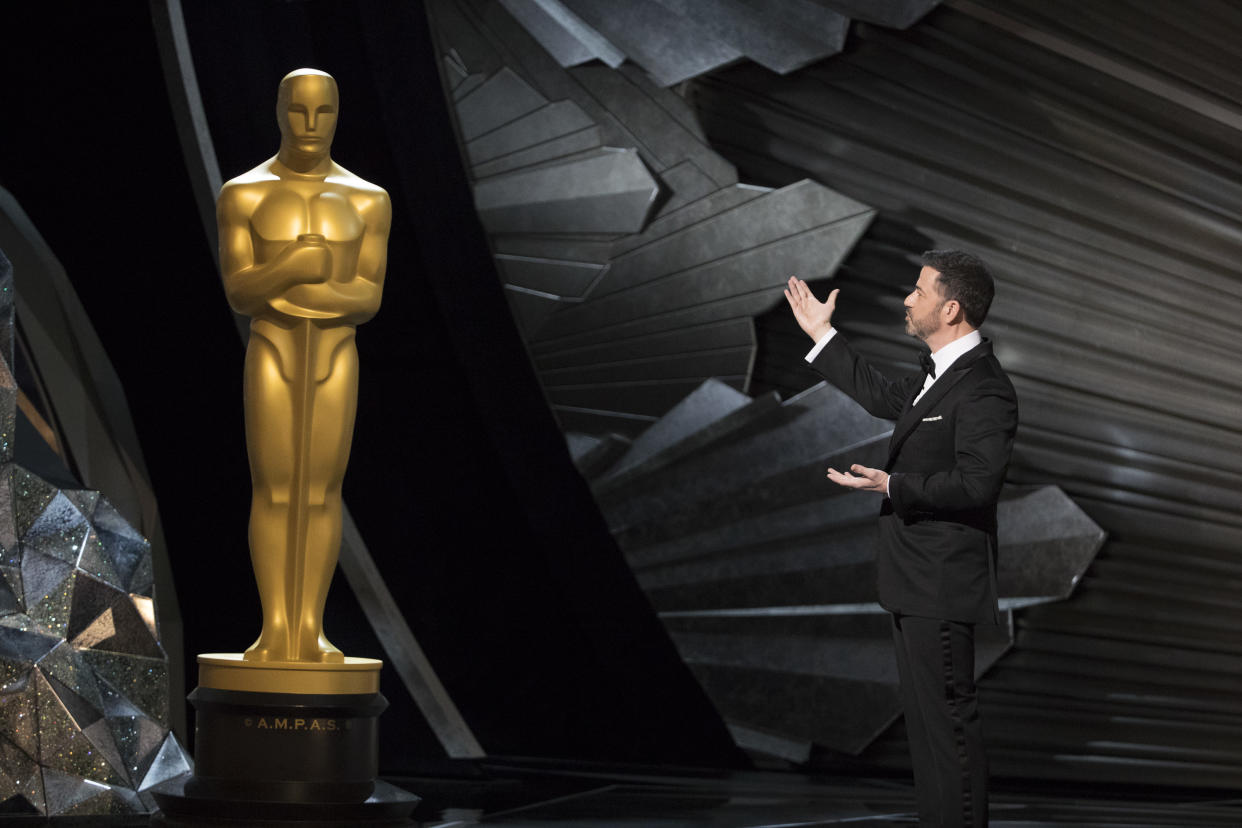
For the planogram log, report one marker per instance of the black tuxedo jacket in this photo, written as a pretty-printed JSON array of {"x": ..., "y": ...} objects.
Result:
[{"x": 936, "y": 555}]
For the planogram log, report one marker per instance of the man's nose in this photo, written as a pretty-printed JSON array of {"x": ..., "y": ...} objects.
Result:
[{"x": 312, "y": 120}]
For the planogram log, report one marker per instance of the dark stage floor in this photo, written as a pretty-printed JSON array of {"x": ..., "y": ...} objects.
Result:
[
  {"x": 763, "y": 799},
  {"x": 538, "y": 795}
]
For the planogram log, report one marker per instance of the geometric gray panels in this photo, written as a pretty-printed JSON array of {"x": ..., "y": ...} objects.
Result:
[
  {"x": 675, "y": 40},
  {"x": 1047, "y": 542},
  {"x": 674, "y": 305},
  {"x": 608, "y": 191},
  {"x": 565, "y": 35},
  {"x": 670, "y": 46},
  {"x": 632, "y": 259},
  {"x": 763, "y": 572}
]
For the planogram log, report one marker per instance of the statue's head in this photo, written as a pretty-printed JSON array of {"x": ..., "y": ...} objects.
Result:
[{"x": 306, "y": 107}]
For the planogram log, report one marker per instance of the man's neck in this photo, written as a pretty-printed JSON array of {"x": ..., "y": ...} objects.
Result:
[{"x": 947, "y": 335}]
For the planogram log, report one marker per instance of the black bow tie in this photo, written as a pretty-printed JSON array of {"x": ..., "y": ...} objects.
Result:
[{"x": 929, "y": 365}]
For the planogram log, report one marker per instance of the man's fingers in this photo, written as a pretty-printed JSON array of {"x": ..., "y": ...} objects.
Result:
[
  {"x": 859, "y": 477},
  {"x": 799, "y": 289},
  {"x": 864, "y": 471}
]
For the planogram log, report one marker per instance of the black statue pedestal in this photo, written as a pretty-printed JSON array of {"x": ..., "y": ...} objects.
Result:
[{"x": 284, "y": 758}]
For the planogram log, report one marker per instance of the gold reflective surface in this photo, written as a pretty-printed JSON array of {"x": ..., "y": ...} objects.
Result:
[
  {"x": 303, "y": 247},
  {"x": 234, "y": 671}
]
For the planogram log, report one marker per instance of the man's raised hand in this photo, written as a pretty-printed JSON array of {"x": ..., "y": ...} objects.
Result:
[
  {"x": 868, "y": 480},
  {"x": 814, "y": 317}
]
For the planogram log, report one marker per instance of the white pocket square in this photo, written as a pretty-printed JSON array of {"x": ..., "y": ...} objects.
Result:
[{"x": 933, "y": 419}]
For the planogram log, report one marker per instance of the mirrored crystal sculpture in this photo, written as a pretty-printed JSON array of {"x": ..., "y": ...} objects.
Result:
[{"x": 83, "y": 678}]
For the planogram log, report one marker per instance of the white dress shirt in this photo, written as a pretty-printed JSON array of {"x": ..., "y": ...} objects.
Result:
[{"x": 946, "y": 356}]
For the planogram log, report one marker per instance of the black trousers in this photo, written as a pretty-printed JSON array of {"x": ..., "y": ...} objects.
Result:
[{"x": 936, "y": 665}]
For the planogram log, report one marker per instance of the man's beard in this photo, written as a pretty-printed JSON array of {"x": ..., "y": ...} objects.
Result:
[{"x": 922, "y": 328}]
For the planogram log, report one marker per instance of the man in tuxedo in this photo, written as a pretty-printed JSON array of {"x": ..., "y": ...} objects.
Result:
[{"x": 936, "y": 549}]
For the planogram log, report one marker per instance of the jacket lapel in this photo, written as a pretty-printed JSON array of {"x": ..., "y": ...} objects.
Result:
[{"x": 913, "y": 414}]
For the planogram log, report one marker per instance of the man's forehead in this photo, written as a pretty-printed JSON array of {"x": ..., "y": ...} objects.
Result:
[{"x": 928, "y": 279}]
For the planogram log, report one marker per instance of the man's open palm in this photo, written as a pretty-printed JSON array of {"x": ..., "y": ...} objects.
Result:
[{"x": 814, "y": 317}]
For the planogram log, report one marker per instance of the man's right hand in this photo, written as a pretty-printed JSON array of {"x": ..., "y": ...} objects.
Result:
[{"x": 814, "y": 317}]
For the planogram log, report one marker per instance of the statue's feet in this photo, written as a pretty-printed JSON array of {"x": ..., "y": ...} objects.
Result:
[
  {"x": 259, "y": 651},
  {"x": 328, "y": 654},
  {"x": 319, "y": 651},
  {"x": 315, "y": 647},
  {"x": 270, "y": 645}
]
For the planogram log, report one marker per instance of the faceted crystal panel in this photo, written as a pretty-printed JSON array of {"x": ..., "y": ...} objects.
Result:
[
  {"x": 169, "y": 762},
  {"x": 62, "y": 744},
  {"x": 20, "y": 776},
  {"x": 60, "y": 530},
  {"x": 83, "y": 678},
  {"x": 19, "y": 715}
]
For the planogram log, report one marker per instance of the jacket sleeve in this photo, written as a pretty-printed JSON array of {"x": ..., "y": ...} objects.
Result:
[
  {"x": 983, "y": 434},
  {"x": 849, "y": 371}
]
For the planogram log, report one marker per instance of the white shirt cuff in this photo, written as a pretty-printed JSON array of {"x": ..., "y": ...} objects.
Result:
[{"x": 820, "y": 345}]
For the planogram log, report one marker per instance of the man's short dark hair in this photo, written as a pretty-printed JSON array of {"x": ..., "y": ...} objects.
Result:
[{"x": 965, "y": 278}]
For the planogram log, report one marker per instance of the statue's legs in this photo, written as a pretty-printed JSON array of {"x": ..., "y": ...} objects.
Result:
[
  {"x": 269, "y": 442},
  {"x": 301, "y": 396},
  {"x": 331, "y": 431}
]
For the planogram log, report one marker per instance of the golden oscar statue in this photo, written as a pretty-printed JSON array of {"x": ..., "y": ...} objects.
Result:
[
  {"x": 303, "y": 250},
  {"x": 303, "y": 245}
]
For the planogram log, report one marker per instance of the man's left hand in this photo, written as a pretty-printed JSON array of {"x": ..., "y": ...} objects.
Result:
[{"x": 868, "y": 480}]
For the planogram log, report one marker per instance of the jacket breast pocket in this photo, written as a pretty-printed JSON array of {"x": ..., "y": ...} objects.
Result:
[
  {"x": 929, "y": 447},
  {"x": 932, "y": 431}
]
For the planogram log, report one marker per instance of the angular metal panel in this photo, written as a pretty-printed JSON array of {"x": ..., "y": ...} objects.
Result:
[
  {"x": 609, "y": 192},
  {"x": 672, "y": 48},
  {"x": 781, "y": 36},
  {"x": 686, "y": 251},
  {"x": 564, "y": 34},
  {"x": 501, "y": 99},
  {"x": 550, "y": 121}
]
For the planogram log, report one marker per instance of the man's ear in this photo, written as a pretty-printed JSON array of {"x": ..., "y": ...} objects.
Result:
[{"x": 952, "y": 311}]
